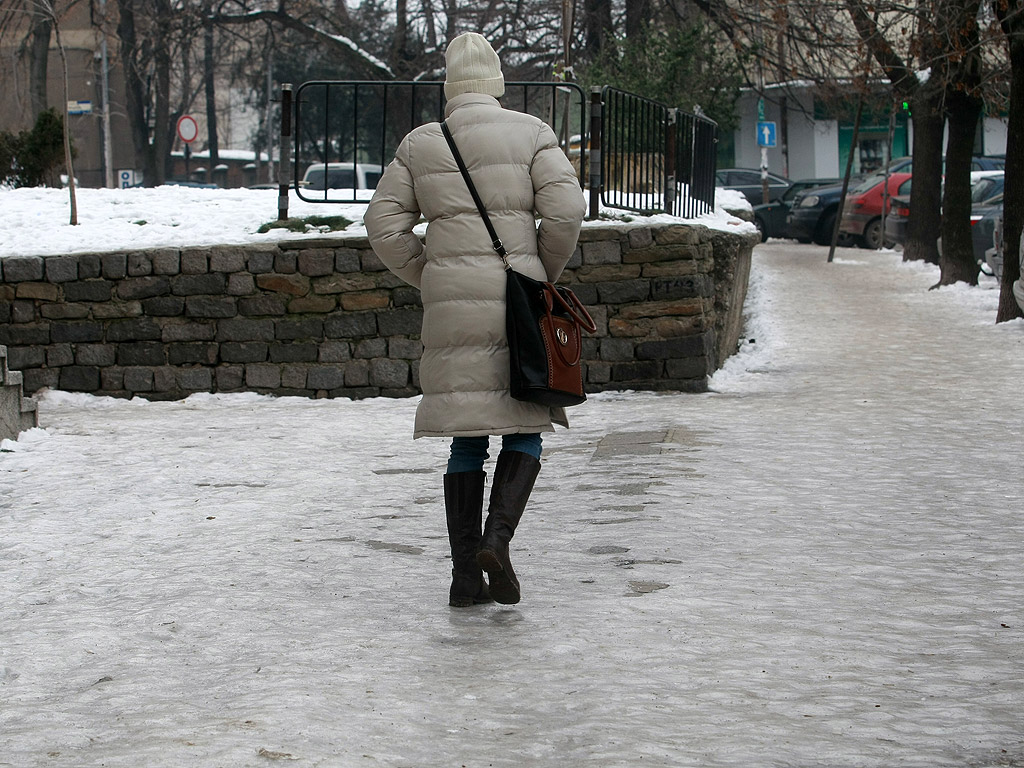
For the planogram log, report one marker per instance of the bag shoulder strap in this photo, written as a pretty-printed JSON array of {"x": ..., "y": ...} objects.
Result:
[{"x": 495, "y": 241}]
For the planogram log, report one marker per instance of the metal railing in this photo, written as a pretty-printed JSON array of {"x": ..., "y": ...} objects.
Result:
[{"x": 635, "y": 154}]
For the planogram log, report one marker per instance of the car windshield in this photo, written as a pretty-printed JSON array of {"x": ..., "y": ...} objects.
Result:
[
  {"x": 336, "y": 179},
  {"x": 983, "y": 189},
  {"x": 868, "y": 183}
]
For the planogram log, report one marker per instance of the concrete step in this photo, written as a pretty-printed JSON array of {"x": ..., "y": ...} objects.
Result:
[{"x": 17, "y": 413}]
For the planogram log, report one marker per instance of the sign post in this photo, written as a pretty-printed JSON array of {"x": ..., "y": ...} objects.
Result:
[
  {"x": 188, "y": 131},
  {"x": 765, "y": 138}
]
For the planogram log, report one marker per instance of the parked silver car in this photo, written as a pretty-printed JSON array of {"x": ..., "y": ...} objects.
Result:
[{"x": 994, "y": 257}]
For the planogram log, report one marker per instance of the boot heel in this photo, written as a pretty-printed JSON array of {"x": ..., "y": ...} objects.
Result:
[{"x": 501, "y": 582}]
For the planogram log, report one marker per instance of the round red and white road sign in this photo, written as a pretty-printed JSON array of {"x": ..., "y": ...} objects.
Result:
[{"x": 188, "y": 128}]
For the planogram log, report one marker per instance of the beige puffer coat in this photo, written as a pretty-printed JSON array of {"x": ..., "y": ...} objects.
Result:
[{"x": 520, "y": 174}]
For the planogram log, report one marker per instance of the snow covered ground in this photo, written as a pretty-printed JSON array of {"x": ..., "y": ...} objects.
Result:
[
  {"x": 116, "y": 219},
  {"x": 817, "y": 565}
]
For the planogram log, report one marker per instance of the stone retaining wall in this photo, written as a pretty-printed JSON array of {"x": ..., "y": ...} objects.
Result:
[{"x": 324, "y": 318}]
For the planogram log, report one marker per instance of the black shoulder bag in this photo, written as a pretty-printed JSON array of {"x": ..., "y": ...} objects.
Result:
[{"x": 543, "y": 323}]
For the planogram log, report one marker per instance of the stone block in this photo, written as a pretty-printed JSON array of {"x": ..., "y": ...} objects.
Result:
[
  {"x": 385, "y": 372},
  {"x": 301, "y": 352},
  {"x": 350, "y": 325},
  {"x": 64, "y": 311},
  {"x": 178, "y": 330},
  {"x": 671, "y": 327},
  {"x": 80, "y": 378},
  {"x": 166, "y": 261},
  {"x": 141, "y": 353},
  {"x": 598, "y": 373},
  {"x": 135, "y": 329},
  {"x": 681, "y": 287},
  {"x": 24, "y": 334},
  {"x": 37, "y": 291},
  {"x": 285, "y": 262},
  {"x": 42, "y": 378},
  {"x": 388, "y": 280},
  {"x": 640, "y": 237},
  {"x": 576, "y": 260},
  {"x": 194, "y": 262},
  {"x": 316, "y": 262},
  {"x": 363, "y": 300},
  {"x": 90, "y": 265},
  {"x": 682, "y": 346},
  {"x": 259, "y": 262},
  {"x": 400, "y": 322},
  {"x": 311, "y": 328},
  {"x": 370, "y": 263},
  {"x": 210, "y": 306},
  {"x": 683, "y": 234},
  {"x": 206, "y": 283},
  {"x": 116, "y": 309},
  {"x": 164, "y": 306},
  {"x": 115, "y": 265},
  {"x": 623, "y": 291},
  {"x": 602, "y": 252},
  {"x": 21, "y": 358},
  {"x": 198, "y": 379},
  {"x": 6, "y": 311},
  {"x": 293, "y": 376},
  {"x": 229, "y": 377},
  {"x": 292, "y": 284},
  {"x": 325, "y": 377},
  {"x": 617, "y": 350},
  {"x": 343, "y": 283},
  {"x": 263, "y": 376},
  {"x": 95, "y": 354},
  {"x": 241, "y": 284},
  {"x": 139, "y": 264},
  {"x": 312, "y": 305},
  {"x": 357, "y": 373},
  {"x": 143, "y": 287},
  {"x": 138, "y": 379},
  {"x": 20, "y": 269},
  {"x": 637, "y": 371},
  {"x": 58, "y": 355},
  {"x": 585, "y": 292},
  {"x": 76, "y": 332},
  {"x": 672, "y": 268},
  {"x": 243, "y": 352},
  {"x": 264, "y": 304},
  {"x": 88, "y": 290},
  {"x": 608, "y": 273},
  {"x": 334, "y": 352},
  {"x": 346, "y": 260},
  {"x": 622, "y": 328},
  {"x": 406, "y": 296},
  {"x": 688, "y": 368},
  {"x": 245, "y": 329},
  {"x": 193, "y": 352},
  {"x": 404, "y": 349},
  {"x": 112, "y": 379},
  {"x": 227, "y": 260},
  {"x": 369, "y": 348},
  {"x": 662, "y": 308},
  {"x": 23, "y": 311},
  {"x": 61, "y": 269},
  {"x": 164, "y": 379}
]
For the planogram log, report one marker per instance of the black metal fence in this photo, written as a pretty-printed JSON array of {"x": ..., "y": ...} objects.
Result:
[{"x": 634, "y": 154}]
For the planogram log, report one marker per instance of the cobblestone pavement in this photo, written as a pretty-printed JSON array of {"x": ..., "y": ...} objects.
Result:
[{"x": 818, "y": 565}]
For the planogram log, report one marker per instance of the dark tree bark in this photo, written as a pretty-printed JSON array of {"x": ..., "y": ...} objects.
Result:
[
  {"x": 598, "y": 27},
  {"x": 926, "y": 191},
  {"x": 135, "y": 91},
  {"x": 209, "y": 84},
  {"x": 39, "y": 56},
  {"x": 638, "y": 14},
  {"x": 1011, "y": 18}
]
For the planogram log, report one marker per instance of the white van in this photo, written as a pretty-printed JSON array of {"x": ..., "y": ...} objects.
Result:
[{"x": 341, "y": 176}]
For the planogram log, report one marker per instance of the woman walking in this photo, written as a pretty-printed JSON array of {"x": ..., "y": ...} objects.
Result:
[{"x": 521, "y": 175}]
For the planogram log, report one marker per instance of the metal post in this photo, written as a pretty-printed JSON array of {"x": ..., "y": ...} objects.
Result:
[
  {"x": 595, "y": 151},
  {"x": 285, "y": 166},
  {"x": 670, "y": 162}
]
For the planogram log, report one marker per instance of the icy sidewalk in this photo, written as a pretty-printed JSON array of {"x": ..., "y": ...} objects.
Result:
[{"x": 818, "y": 565}]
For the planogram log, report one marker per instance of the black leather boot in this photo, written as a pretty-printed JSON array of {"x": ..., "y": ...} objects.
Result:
[
  {"x": 514, "y": 475},
  {"x": 463, "y": 505}
]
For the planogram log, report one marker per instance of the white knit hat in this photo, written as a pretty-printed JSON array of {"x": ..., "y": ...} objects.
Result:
[{"x": 472, "y": 66}]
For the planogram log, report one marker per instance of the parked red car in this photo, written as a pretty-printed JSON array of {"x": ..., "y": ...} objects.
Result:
[{"x": 862, "y": 214}]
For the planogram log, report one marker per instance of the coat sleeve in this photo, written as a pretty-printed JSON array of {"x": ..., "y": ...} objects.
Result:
[
  {"x": 559, "y": 203},
  {"x": 392, "y": 213}
]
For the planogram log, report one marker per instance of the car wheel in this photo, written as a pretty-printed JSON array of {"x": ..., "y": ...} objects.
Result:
[
  {"x": 824, "y": 234},
  {"x": 872, "y": 237},
  {"x": 762, "y": 230}
]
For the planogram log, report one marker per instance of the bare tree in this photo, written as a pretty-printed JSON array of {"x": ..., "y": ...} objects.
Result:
[{"x": 1011, "y": 20}]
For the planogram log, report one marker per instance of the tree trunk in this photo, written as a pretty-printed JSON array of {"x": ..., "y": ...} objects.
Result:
[
  {"x": 39, "y": 56},
  {"x": 1012, "y": 20},
  {"x": 598, "y": 25},
  {"x": 135, "y": 86},
  {"x": 211, "y": 93},
  {"x": 957, "y": 262},
  {"x": 925, "y": 193},
  {"x": 637, "y": 15},
  {"x": 160, "y": 156}
]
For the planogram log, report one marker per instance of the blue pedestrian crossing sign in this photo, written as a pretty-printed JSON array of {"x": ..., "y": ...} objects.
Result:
[{"x": 766, "y": 134}]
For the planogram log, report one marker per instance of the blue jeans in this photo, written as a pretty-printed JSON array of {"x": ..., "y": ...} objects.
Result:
[{"x": 469, "y": 453}]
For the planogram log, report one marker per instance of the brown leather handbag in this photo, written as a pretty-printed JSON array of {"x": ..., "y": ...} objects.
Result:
[{"x": 543, "y": 324}]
